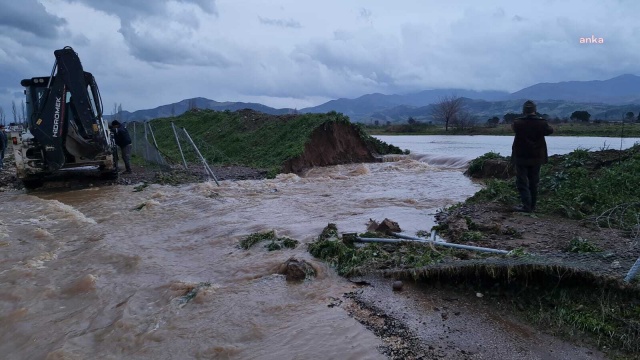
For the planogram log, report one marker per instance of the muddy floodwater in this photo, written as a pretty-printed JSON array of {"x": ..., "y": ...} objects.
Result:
[
  {"x": 86, "y": 275},
  {"x": 92, "y": 273}
]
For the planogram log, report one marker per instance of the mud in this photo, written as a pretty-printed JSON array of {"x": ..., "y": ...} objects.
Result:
[
  {"x": 331, "y": 144},
  {"x": 440, "y": 322}
]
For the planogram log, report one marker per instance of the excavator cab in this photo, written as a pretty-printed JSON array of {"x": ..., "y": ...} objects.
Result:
[{"x": 65, "y": 124}]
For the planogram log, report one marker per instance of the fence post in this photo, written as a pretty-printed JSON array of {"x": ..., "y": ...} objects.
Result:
[
  {"x": 145, "y": 142},
  {"x": 633, "y": 271},
  {"x": 135, "y": 147},
  {"x": 157, "y": 152},
  {"x": 204, "y": 162},
  {"x": 179, "y": 146}
]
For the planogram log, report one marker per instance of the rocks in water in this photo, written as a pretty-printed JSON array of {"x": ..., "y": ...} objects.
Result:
[
  {"x": 296, "y": 270},
  {"x": 397, "y": 285},
  {"x": 385, "y": 227}
]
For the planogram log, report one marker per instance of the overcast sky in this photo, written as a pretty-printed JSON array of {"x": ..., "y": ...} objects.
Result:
[{"x": 299, "y": 53}]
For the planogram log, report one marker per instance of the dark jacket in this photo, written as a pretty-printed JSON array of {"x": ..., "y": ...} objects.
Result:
[
  {"x": 3, "y": 140},
  {"x": 121, "y": 136},
  {"x": 529, "y": 146}
]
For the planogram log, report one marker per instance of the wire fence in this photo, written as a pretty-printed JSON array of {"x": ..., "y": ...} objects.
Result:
[{"x": 144, "y": 139}]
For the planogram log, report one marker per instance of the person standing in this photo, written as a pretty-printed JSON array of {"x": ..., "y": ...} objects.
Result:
[
  {"x": 529, "y": 153},
  {"x": 3, "y": 145},
  {"x": 123, "y": 140}
]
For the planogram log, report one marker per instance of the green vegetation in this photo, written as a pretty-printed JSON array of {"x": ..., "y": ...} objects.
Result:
[
  {"x": 191, "y": 293},
  {"x": 250, "y": 138},
  {"x": 580, "y": 245},
  {"x": 476, "y": 164},
  {"x": 580, "y": 185},
  {"x": 594, "y": 311},
  {"x": 140, "y": 187},
  {"x": 276, "y": 243},
  {"x": 604, "y": 129},
  {"x": 350, "y": 260},
  {"x": 472, "y": 236}
]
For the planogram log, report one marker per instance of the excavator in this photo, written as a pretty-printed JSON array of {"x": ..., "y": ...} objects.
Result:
[{"x": 65, "y": 128}]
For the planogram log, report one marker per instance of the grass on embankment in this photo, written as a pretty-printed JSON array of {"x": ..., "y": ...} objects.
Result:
[
  {"x": 249, "y": 138},
  {"x": 579, "y": 185},
  {"x": 601, "y": 186},
  {"x": 563, "y": 129}
]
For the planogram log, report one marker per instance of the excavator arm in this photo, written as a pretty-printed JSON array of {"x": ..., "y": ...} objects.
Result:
[{"x": 66, "y": 108}]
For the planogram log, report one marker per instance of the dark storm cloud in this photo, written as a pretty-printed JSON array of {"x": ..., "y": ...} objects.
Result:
[
  {"x": 127, "y": 10},
  {"x": 157, "y": 32},
  {"x": 290, "y": 23},
  {"x": 31, "y": 17},
  {"x": 160, "y": 50}
]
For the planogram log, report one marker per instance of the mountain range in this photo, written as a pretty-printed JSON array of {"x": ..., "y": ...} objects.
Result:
[{"x": 603, "y": 99}]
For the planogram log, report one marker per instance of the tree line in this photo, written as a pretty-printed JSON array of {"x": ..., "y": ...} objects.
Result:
[
  {"x": 19, "y": 115},
  {"x": 453, "y": 112}
]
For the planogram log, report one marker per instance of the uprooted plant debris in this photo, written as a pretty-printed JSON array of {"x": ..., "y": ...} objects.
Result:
[
  {"x": 275, "y": 242},
  {"x": 350, "y": 259},
  {"x": 568, "y": 301},
  {"x": 190, "y": 291}
]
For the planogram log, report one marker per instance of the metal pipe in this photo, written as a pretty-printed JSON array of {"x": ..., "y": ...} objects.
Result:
[
  {"x": 387, "y": 240},
  {"x": 179, "y": 146},
  {"x": 452, "y": 245},
  {"x": 204, "y": 162},
  {"x": 633, "y": 271}
]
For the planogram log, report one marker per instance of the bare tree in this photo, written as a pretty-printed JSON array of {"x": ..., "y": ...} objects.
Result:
[
  {"x": 23, "y": 111},
  {"x": 463, "y": 121},
  {"x": 14, "y": 111},
  {"x": 2, "y": 116},
  {"x": 447, "y": 109}
]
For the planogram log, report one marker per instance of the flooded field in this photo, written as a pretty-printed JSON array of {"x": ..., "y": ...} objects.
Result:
[
  {"x": 103, "y": 272},
  {"x": 85, "y": 274}
]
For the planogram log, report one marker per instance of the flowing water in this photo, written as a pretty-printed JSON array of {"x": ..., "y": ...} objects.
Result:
[{"x": 83, "y": 274}]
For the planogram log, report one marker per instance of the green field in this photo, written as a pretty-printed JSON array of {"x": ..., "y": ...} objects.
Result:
[
  {"x": 562, "y": 129},
  {"x": 248, "y": 138}
]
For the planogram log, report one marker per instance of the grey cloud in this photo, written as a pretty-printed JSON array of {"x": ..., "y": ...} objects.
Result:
[
  {"x": 155, "y": 48},
  {"x": 127, "y": 10},
  {"x": 365, "y": 13},
  {"x": 155, "y": 33},
  {"x": 30, "y": 16},
  {"x": 290, "y": 23}
]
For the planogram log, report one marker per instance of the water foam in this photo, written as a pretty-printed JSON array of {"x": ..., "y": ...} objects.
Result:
[
  {"x": 69, "y": 212},
  {"x": 444, "y": 161}
]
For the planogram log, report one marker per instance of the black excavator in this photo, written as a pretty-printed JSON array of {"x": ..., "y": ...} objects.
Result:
[{"x": 65, "y": 128}]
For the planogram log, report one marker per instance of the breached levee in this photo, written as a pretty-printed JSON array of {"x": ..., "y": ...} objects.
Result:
[{"x": 288, "y": 143}]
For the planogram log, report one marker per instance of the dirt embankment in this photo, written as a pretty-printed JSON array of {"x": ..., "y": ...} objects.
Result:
[{"x": 331, "y": 144}]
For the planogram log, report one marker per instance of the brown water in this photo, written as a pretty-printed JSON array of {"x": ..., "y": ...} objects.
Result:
[{"x": 83, "y": 275}]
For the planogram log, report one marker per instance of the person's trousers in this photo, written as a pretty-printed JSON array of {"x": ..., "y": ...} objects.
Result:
[
  {"x": 126, "y": 156},
  {"x": 1, "y": 158},
  {"x": 527, "y": 179}
]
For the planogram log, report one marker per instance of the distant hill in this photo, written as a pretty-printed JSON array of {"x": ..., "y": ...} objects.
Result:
[
  {"x": 181, "y": 107},
  {"x": 363, "y": 106},
  {"x": 622, "y": 89},
  {"x": 483, "y": 110},
  {"x": 606, "y": 99}
]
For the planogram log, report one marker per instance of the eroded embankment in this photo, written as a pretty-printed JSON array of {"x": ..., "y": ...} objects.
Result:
[
  {"x": 277, "y": 143},
  {"x": 564, "y": 291}
]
